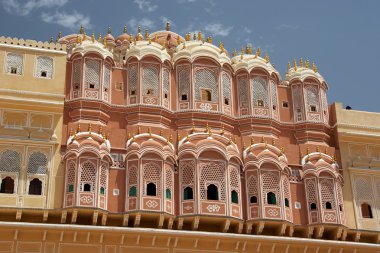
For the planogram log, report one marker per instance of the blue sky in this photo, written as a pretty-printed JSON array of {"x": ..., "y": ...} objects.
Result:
[{"x": 342, "y": 37}]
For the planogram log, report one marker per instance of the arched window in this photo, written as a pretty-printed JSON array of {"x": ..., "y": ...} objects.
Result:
[
  {"x": 168, "y": 194},
  {"x": 205, "y": 95},
  {"x": 313, "y": 206},
  {"x": 253, "y": 200},
  {"x": 212, "y": 192},
  {"x": 86, "y": 187},
  {"x": 366, "y": 211},
  {"x": 234, "y": 197},
  {"x": 328, "y": 205},
  {"x": 188, "y": 193},
  {"x": 35, "y": 187},
  {"x": 44, "y": 67},
  {"x": 7, "y": 185},
  {"x": 132, "y": 191},
  {"x": 286, "y": 202},
  {"x": 71, "y": 188},
  {"x": 151, "y": 189},
  {"x": 271, "y": 198},
  {"x": 102, "y": 191}
]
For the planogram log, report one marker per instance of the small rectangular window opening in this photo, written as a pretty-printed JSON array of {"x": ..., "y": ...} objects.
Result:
[
  {"x": 132, "y": 92},
  {"x": 13, "y": 70},
  {"x": 313, "y": 108},
  {"x": 166, "y": 95},
  {"x": 226, "y": 101},
  {"x": 205, "y": 95},
  {"x": 285, "y": 104},
  {"x": 149, "y": 92},
  {"x": 43, "y": 74},
  {"x": 260, "y": 103},
  {"x": 119, "y": 86},
  {"x": 184, "y": 97},
  {"x": 92, "y": 86}
]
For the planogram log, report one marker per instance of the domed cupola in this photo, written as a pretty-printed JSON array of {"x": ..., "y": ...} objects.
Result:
[
  {"x": 124, "y": 36},
  {"x": 167, "y": 38},
  {"x": 110, "y": 40}
]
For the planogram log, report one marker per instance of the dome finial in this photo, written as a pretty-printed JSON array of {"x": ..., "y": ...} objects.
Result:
[
  {"x": 109, "y": 31},
  {"x": 146, "y": 34},
  {"x": 139, "y": 29},
  {"x": 209, "y": 39},
  {"x": 307, "y": 65},
  {"x": 167, "y": 25},
  {"x": 81, "y": 29},
  {"x": 125, "y": 29},
  {"x": 315, "y": 69},
  {"x": 295, "y": 64},
  {"x": 242, "y": 53},
  {"x": 301, "y": 63},
  {"x": 188, "y": 37},
  {"x": 84, "y": 36},
  {"x": 221, "y": 47},
  {"x": 100, "y": 38},
  {"x": 234, "y": 53},
  {"x": 248, "y": 49},
  {"x": 258, "y": 52},
  {"x": 51, "y": 40},
  {"x": 178, "y": 40},
  {"x": 93, "y": 37},
  {"x": 266, "y": 58},
  {"x": 199, "y": 35},
  {"x": 289, "y": 66}
]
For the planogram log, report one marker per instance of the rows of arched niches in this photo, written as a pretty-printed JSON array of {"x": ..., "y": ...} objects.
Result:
[
  {"x": 181, "y": 74},
  {"x": 205, "y": 175}
]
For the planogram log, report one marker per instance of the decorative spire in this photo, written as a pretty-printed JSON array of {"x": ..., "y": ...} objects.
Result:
[
  {"x": 167, "y": 26},
  {"x": 139, "y": 37},
  {"x": 125, "y": 29},
  {"x": 100, "y": 38},
  {"x": 282, "y": 150},
  {"x": 199, "y": 35},
  {"x": 187, "y": 138},
  {"x": 155, "y": 39},
  {"x": 194, "y": 36},
  {"x": 138, "y": 130},
  {"x": 84, "y": 36},
  {"x": 188, "y": 37},
  {"x": 105, "y": 43},
  {"x": 146, "y": 34},
  {"x": 89, "y": 128},
  {"x": 93, "y": 37},
  {"x": 51, "y": 40},
  {"x": 161, "y": 132},
  {"x": 258, "y": 52},
  {"x": 178, "y": 40},
  {"x": 71, "y": 132},
  {"x": 242, "y": 53},
  {"x": 301, "y": 63},
  {"x": 295, "y": 64},
  {"x": 252, "y": 141},
  {"x": 150, "y": 131},
  {"x": 164, "y": 45},
  {"x": 234, "y": 53},
  {"x": 109, "y": 30},
  {"x": 315, "y": 69},
  {"x": 248, "y": 49},
  {"x": 209, "y": 39},
  {"x": 78, "y": 128},
  {"x": 78, "y": 40},
  {"x": 318, "y": 149},
  {"x": 289, "y": 66},
  {"x": 222, "y": 133},
  {"x": 101, "y": 130},
  {"x": 81, "y": 29},
  {"x": 149, "y": 40},
  {"x": 59, "y": 35},
  {"x": 266, "y": 58},
  {"x": 307, "y": 150},
  {"x": 273, "y": 142},
  {"x": 307, "y": 65},
  {"x": 221, "y": 47}
]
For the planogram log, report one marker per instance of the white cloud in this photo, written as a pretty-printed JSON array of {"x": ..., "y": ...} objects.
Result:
[
  {"x": 287, "y": 27},
  {"x": 145, "y": 5},
  {"x": 69, "y": 20},
  {"x": 217, "y": 29},
  {"x": 246, "y": 30},
  {"x": 23, "y": 8},
  {"x": 145, "y": 23}
]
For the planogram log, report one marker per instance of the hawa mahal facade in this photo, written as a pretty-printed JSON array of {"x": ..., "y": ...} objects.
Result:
[{"x": 172, "y": 145}]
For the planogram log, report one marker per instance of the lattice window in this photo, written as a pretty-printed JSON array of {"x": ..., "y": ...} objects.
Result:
[
  {"x": 152, "y": 174},
  {"x": 132, "y": 79},
  {"x": 14, "y": 63},
  {"x": 104, "y": 175},
  {"x": 166, "y": 83},
  {"x": 133, "y": 176},
  {"x": 297, "y": 102},
  {"x": 311, "y": 192},
  {"x": 187, "y": 172},
  {"x": 169, "y": 177},
  {"x": 243, "y": 91},
  {"x": 260, "y": 92},
  {"x": 324, "y": 105},
  {"x": 92, "y": 74},
  {"x": 273, "y": 88},
  {"x": 286, "y": 187},
  {"x": 37, "y": 163},
  {"x": 213, "y": 173},
  {"x": 150, "y": 80},
  {"x": 327, "y": 192},
  {"x": 88, "y": 175},
  {"x": 252, "y": 186},
  {"x": 312, "y": 98},
  {"x": 226, "y": 83},
  {"x": 184, "y": 83},
  {"x": 363, "y": 188},
  {"x": 44, "y": 67},
  {"x": 207, "y": 80},
  {"x": 340, "y": 196},
  {"x": 10, "y": 161},
  {"x": 270, "y": 183},
  {"x": 235, "y": 179},
  {"x": 77, "y": 74},
  {"x": 107, "y": 77},
  {"x": 70, "y": 176}
]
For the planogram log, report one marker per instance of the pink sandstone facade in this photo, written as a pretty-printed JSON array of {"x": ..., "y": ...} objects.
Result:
[{"x": 170, "y": 132}]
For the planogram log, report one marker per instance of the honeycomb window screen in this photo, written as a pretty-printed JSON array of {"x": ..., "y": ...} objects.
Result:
[
  {"x": 107, "y": 77},
  {"x": 311, "y": 192},
  {"x": 14, "y": 64},
  {"x": 243, "y": 91},
  {"x": 44, "y": 67},
  {"x": 286, "y": 187},
  {"x": 339, "y": 196},
  {"x": 166, "y": 83},
  {"x": 88, "y": 175},
  {"x": 37, "y": 163},
  {"x": 270, "y": 183},
  {"x": 152, "y": 174},
  {"x": 184, "y": 82},
  {"x": 104, "y": 175},
  {"x": 70, "y": 176},
  {"x": 252, "y": 186},
  {"x": 132, "y": 79},
  {"x": 273, "y": 88},
  {"x": 150, "y": 80},
  {"x": 226, "y": 83},
  {"x": 206, "y": 79},
  {"x": 297, "y": 103},
  {"x": 212, "y": 173},
  {"x": 260, "y": 92},
  {"x": 235, "y": 179},
  {"x": 363, "y": 189},
  {"x": 327, "y": 192},
  {"x": 169, "y": 177},
  {"x": 312, "y": 98},
  {"x": 92, "y": 74},
  {"x": 77, "y": 74},
  {"x": 187, "y": 170},
  {"x": 10, "y": 161},
  {"x": 132, "y": 176}
]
